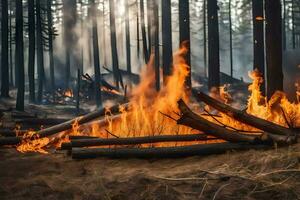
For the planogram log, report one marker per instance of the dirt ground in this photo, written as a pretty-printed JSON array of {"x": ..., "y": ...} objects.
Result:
[{"x": 272, "y": 174}]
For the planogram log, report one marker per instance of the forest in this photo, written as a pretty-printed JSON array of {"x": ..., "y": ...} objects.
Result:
[{"x": 108, "y": 95}]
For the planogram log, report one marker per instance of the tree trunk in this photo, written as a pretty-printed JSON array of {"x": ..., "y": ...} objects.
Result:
[
  {"x": 273, "y": 49},
  {"x": 31, "y": 54},
  {"x": 230, "y": 41},
  {"x": 70, "y": 38},
  {"x": 155, "y": 46},
  {"x": 184, "y": 35},
  {"x": 293, "y": 25},
  {"x": 149, "y": 6},
  {"x": 166, "y": 38},
  {"x": 97, "y": 86},
  {"x": 10, "y": 48},
  {"x": 4, "y": 50},
  {"x": 144, "y": 37},
  {"x": 258, "y": 38},
  {"x": 113, "y": 40},
  {"x": 128, "y": 47},
  {"x": 213, "y": 45},
  {"x": 205, "y": 37},
  {"x": 138, "y": 29},
  {"x": 50, "y": 30},
  {"x": 20, "y": 55},
  {"x": 40, "y": 52},
  {"x": 284, "y": 25}
]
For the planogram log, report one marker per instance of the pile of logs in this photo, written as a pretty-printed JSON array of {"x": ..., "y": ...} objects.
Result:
[{"x": 214, "y": 138}]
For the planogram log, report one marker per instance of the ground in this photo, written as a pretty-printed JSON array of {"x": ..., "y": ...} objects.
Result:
[{"x": 269, "y": 174}]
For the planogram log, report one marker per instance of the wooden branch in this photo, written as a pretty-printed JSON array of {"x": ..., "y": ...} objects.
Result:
[
  {"x": 135, "y": 140},
  {"x": 80, "y": 120},
  {"x": 80, "y": 137},
  {"x": 192, "y": 120},
  {"x": 245, "y": 117},
  {"x": 162, "y": 152}
]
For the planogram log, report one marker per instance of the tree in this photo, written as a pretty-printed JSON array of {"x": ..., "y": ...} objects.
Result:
[
  {"x": 97, "y": 72},
  {"x": 137, "y": 29},
  {"x": 230, "y": 40},
  {"x": 184, "y": 34},
  {"x": 258, "y": 38},
  {"x": 113, "y": 40},
  {"x": 155, "y": 46},
  {"x": 50, "y": 41},
  {"x": 19, "y": 56},
  {"x": 31, "y": 53},
  {"x": 166, "y": 38},
  {"x": 204, "y": 37},
  {"x": 70, "y": 39},
  {"x": 273, "y": 49},
  {"x": 40, "y": 52},
  {"x": 143, "y": 27},
  {"x": 213, "y": 44},
  {"x": 4, "y": 50},
  {"x": 127, "y": 30}
]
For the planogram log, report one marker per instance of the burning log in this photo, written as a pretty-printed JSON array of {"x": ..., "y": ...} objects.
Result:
[
  {"x": 135, "y": 140},
  {"x": 245, "y": 117},
  {"x": 162, "y": 152},
  {"x": 11, "y": 133},
  {"x": 80, "y": 137},
  {"x": 80, "y": 120},
  {"x": 189, "y": 118}
]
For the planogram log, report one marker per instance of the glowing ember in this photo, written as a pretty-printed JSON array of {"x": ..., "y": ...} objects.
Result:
[{"x": 68, "y": 93}]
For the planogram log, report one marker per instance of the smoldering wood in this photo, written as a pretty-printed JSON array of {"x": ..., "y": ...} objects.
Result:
[
  {"x": 189, "y": 118},
  {"x": 135, "y": 140},
  {"x": 80, "y": 120},
  {"x": 80, "y": 137},
  {"x": 162, "y": 152},
  {"x": 245, "y": 117}
]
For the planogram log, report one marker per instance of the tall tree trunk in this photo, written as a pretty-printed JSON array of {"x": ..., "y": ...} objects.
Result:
[
  {"x": 155, "y": 38},
  {"x": 31, "y": 53},
  {"x": 70, "y": 38},
  {"x": 258, "y": 38},
  {"x": 127, "y": 27},
  {"x": 20, "y": 55},
  {"x": 97, "y": 72},
  {"x": 293, "y": 25},
  {"x": 273, "y": 49},
  {"x": 184, "y": 35},
  {"x": 10, "y": 47},
  {"x": 4, "y": 50},
  {"x": 40, "y": 52},
  {"x": 166, "y": 38},
  {"x": 149, "y": 10},
  {"x": 213, "y": 45},
  {"x": 50, "y": 30},
  {"x": 205, "y": 38},
  {"x": 113, "y": 40},
  {"x": 137, "y": 28},
  {"x": 230, "y": 40},
  {"x": 284, "y": 25},
  {"x": 144, "y": 37}
]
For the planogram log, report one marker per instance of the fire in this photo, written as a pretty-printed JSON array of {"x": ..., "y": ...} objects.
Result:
[
  {"x": 68, "y": 93},
  {"x": 148, "y": 106},
  {"x": 105, "y": 89}
]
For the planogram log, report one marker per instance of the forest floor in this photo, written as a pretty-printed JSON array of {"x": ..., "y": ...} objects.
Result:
[{"x": 269, "y": 174}]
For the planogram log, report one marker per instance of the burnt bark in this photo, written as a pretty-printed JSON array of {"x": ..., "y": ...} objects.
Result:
[
  {"x": 166, "y": 39},
  {"x": 161, "y": 152},
  {"x": 258, "y": 38},
  {"x": 4, "y": 50},
  {"x": 50, "y": 31},
  {"x": 144, "y": 36},
  {"x": 19, "y": 56},
  {"x": 213, "y": 44},
  {"x": 273, "y": 46},
  {"x": 127, "y": 30},
  {"x": 31, "y": 53},
  {"x": 184, "y": 35}
]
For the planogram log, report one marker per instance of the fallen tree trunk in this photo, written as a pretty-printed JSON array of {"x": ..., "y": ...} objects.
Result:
[
  {"x": 135, "y": 140},
  {"x": 245, "y": 117},
  {"x": 80, "y": 120},
  {"x": 10, "y": 141},
  {"x": 80, "y": 137},
  {"x": 40, "y": 121},
  {"x": 7, "y": 133},
  {"x": 162, "y": 152},
  {"x": 190, "y": 119}
]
